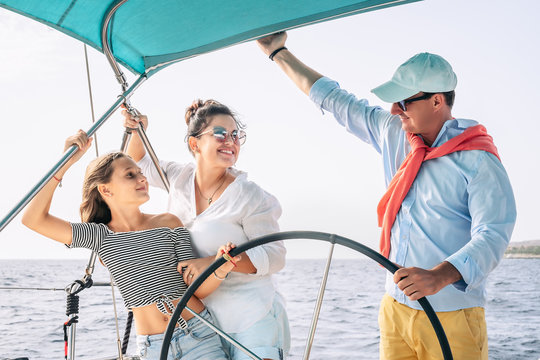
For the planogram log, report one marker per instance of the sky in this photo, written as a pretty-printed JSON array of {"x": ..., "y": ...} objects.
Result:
[{"x": 325, "y": 178}]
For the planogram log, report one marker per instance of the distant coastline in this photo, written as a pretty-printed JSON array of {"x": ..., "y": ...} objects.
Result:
[{"x": 523, "y": 250}]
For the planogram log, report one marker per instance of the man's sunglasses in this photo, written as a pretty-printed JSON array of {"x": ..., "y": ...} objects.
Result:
[{"x": 403, "y": 103}]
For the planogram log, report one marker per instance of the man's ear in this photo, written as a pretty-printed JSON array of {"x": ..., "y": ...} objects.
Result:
[{"x": 437, "y": 100}]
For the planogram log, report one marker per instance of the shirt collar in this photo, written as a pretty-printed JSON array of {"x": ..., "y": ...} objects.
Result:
[{"x": 452, "y": 128}]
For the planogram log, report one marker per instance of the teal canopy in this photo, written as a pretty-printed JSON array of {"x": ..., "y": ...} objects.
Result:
[{"x": 147, "y": 35}]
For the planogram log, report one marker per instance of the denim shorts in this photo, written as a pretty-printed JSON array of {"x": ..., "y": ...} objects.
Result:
[
  {"x": 197, "y": 341},
  {"x": 268, "y": 338}
]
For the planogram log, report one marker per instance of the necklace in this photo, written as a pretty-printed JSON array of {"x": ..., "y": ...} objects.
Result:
[{"x": 210, "y": 199}]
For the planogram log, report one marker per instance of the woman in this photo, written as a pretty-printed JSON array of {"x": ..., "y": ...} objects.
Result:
[
  {"x": 217, "y": 203},
  {"x": 143, "y": 252}
]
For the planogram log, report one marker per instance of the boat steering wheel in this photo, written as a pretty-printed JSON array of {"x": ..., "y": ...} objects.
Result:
[{"x": 309, "y": 235}]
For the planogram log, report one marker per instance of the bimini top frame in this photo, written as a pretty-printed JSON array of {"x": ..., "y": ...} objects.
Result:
[{"x": 147, "y": 36}]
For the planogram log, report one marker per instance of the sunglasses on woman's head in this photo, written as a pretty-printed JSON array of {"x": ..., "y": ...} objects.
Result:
[{"x": 221, "y": 135}]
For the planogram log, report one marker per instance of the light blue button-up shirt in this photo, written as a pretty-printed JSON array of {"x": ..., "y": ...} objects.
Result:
[{"x": 460, "y": 207}]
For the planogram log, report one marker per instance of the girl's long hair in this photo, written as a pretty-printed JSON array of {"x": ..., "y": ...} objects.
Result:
[{"x": 99, "y": 171}]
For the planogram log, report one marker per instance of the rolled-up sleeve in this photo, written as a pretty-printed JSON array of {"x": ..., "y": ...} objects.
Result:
[
  {"x": 170, "y": 168},
  {"x": 263, "y": 220},
  {"x": 493, "y": 215}
]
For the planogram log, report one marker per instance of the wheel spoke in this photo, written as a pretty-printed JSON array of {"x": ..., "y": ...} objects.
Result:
[
  {"x": 224, "y": 335},
  {"x": 317, "y": 310}
]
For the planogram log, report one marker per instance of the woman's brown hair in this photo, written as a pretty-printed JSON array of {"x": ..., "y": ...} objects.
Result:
[{"x": 99, "y": 171}]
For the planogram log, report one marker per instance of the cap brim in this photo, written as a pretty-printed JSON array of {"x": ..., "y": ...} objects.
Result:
[{"x": 391, "y": 92}]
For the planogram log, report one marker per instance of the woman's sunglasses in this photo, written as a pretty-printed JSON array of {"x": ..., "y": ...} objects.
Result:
[{"x": 222, "y": 135}]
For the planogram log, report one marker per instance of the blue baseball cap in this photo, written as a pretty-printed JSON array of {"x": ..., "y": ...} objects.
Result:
[{"x": 423, "y": 72}]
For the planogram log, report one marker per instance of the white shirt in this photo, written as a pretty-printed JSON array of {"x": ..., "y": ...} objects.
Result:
[{"x": 244, "y": 211}]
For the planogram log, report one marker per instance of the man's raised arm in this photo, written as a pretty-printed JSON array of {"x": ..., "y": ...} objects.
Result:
[{"x": 302, "y": 75}]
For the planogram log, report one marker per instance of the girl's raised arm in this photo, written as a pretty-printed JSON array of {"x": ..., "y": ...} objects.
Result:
[{"x": 36, "y": 216}]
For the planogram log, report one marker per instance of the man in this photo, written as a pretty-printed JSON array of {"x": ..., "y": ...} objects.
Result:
[{"x": 449, "y": 210}]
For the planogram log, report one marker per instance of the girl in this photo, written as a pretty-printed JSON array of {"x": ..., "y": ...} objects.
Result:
[{"x": 143, "y": 252}]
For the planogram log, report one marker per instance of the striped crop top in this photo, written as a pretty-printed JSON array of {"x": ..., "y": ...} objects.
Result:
[{"x": 142, "y": 263}]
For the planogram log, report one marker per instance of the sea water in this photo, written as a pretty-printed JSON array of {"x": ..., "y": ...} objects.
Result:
[{"x": 31, "y": 321}]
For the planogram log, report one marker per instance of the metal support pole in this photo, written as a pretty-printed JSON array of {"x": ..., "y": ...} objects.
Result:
[
  {"x": 90, "y": 96},
  {"x": 146, "y": 143},
  {"x": 317, "y": 310},
  {"x": 128, "y": 132},
  {"x": 125, "y": 139},
  {"x": 91, "y": 265},
  {"x": 106, "y": 46},
  {"x": 72, "y": 309},
  {"x": 75, "y": 289},
  {"x": 151, "y": 152},
  {"x": 73, "y": 330},
  {"x": 224, "y": 335},
  {"x": 68, "y": 154},
  {"x": 118, "y": 341}
]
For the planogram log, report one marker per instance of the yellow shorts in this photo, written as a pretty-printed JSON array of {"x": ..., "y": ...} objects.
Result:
[{"x": 407, "y": 333}]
